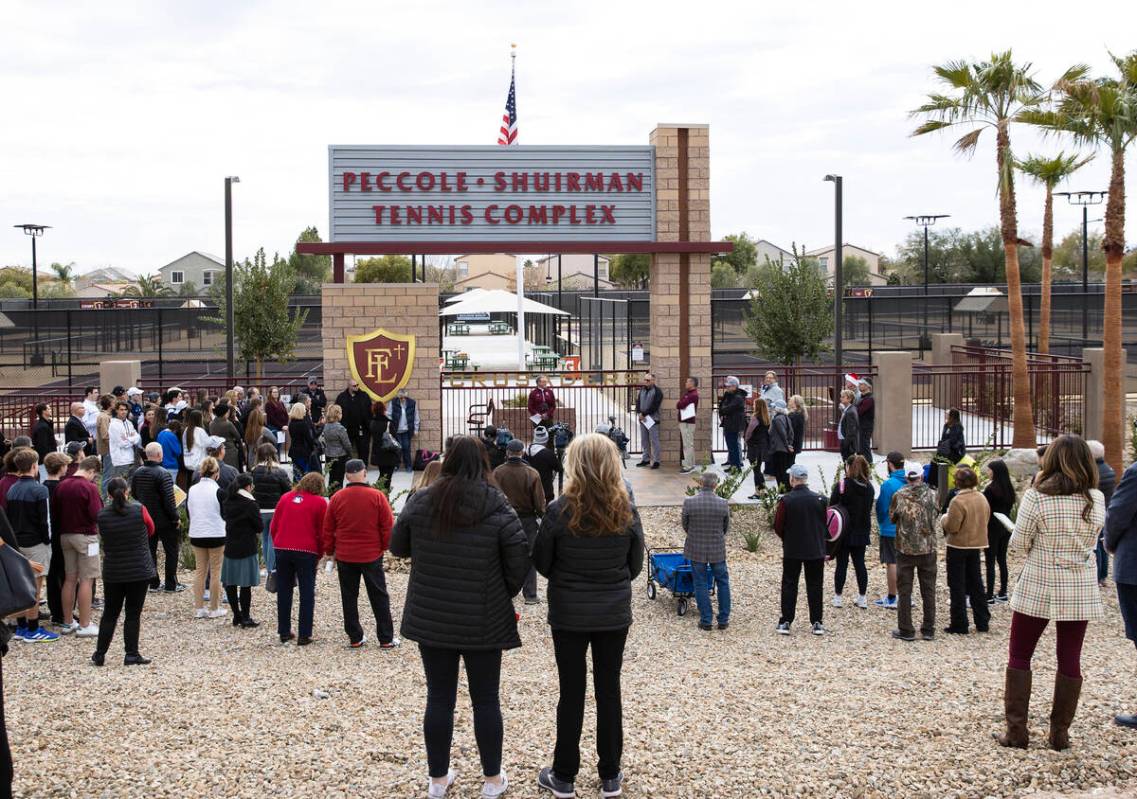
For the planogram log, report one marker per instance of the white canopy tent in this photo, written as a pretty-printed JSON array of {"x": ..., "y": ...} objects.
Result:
[
  {"x": 465, "y": 295},
  {"x": 498, "y": 301}
]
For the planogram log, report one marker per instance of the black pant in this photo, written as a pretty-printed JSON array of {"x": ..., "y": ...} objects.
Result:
[
  {"x": 996, "y": 553},
  {"x": 791, "y": 572},
  {"x": 114, "y": 596},
  {"x": 529, "y": 525},
  {"x": 169, "y": 538},
  {"x": 336, "y": 469},
  {"x": 362, "y": 443},
  {"x": 865, "y": 443},
  {"x": 376, "y": 584},
  {"x": 483, "y": 674},
  {"x": 240, "y": 601},
  {"x": 858, "y": 556},
  {"x": 54, "y": 580},
  {"x": 965, "y": 580},
  {"x": 607, "y": 659},
  {"x": 298, "y": 567},
  {"x": 848, "y": 448}
]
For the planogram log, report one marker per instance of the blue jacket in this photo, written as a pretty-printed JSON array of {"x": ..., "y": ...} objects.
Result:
[
  {"x": 171, "y": 448},
  {"x": 894, "y": 483},
  {"x": 1121, "y": 528}
]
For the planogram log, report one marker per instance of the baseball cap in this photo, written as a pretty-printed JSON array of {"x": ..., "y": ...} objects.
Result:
[
  {"x": 118, "y": 391},
  {"x": 354, "y": 466},
  {"x": 515, "y": 445},
  {"x": 799, "y": 472},
  {"x": 214, "y": 442},
  {"x": 540, "y": 436},
  {"x": 134, "y": 391},
  {"x": 74, "y": 447},
  {"x": 915, "y": 474}
]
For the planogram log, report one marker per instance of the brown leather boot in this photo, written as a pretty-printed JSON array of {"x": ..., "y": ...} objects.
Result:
[
  {"x": 1066, "y": 693},
  {"x": 1016, "y": 702}
]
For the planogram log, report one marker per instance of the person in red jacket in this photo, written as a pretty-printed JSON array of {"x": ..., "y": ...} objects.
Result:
[
  {"x": 297, "y": 525},
  {"x": 357, "y": 531},
  {"x": 542, "y": 402}
]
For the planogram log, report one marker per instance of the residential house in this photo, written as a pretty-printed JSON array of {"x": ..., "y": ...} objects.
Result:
[
  {"x": 576, "y": 272},
  {"x": 485, "y": 271},
  {"x": 106, "y": 277},
  {"x": 199, "y": 268},
  {"x": 767, "y": 249},
  {"x": 828, "y": 263}
]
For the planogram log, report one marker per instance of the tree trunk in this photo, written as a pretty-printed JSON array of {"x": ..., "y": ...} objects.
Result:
[
  {"x": 1047, "y": 257},
  {"x": 1113, "y": 396},
  {"x": 1023, "y": 417}
]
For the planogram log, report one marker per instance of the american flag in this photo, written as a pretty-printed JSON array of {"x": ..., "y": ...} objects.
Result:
[{"x": 508, "y": 133}]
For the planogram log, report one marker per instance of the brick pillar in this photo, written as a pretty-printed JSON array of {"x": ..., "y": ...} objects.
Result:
[
  {"x": 945, "y": 393},
  {"x": 351, "y": 309},
  {"x": 119, "y": 373},
  {"x": 680, "y": 315},
  {"x": 1093, "y": 425},
  {"x": 893, "y": 392}
]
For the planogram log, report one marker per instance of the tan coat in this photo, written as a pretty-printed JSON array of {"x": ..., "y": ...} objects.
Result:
[
  {"x": 102, "y": 433},
  {"x": 965, "y": 522}
]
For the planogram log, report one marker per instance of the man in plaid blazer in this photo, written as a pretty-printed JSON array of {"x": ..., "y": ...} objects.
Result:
[{"x": 706, "y": 520}]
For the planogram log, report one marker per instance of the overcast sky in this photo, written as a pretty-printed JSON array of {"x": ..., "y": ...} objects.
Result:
[{"x": 122, "y": 119}]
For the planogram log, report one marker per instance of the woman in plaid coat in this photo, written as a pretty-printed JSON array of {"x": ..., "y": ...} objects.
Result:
[{"x": 1057, "y": 526}]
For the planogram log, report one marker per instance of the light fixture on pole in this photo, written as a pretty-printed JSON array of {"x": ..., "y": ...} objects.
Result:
[
  {"x": 926, "y": 221},
  {"x": 35, "y": 231},
  {"x": 1084, "y": 199},
  {"x": 229, "y": 368}
]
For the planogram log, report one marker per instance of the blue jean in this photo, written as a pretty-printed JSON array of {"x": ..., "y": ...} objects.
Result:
[
  {"x": 1103, "y": 560},
  {"x": 734, "y": 454},
  {"x": 266, "y": 543},
  {"x": 716, "y": 572},
  {"x": 292, "y": 565},
  {"x": 404, "y": 440},
  {"x": 108, "y": 469}
]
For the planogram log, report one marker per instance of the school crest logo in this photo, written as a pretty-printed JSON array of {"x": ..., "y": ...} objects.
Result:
[{"x": 381, "y": 362}]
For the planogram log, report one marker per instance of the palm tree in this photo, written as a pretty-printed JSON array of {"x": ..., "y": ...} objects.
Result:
[
  {"x": 148, "y": 286},
  {"x": 994, "y": 94},
  {"x": 1049, "y": 172},
  {"x": 1097, "y": 112},
  {"x": 65, "y": 273}
]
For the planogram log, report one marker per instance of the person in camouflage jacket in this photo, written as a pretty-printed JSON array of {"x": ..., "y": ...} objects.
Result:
[{"x": 913, "y": 510}]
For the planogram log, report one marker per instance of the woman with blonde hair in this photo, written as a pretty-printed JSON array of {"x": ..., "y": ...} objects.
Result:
[
  {"x": 337, "y": 445},
  {"x": 590, "y": 547},
  {"x": 207, "y": 537},
  {"x": 799, "y": 418},
  {"x": 1057, "y": 527},
  {"x": 301, "y": 441},
  {"x": 427, "y": 476}
]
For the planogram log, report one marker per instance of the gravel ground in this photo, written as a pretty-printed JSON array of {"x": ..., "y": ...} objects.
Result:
[{"x": 226, "y": 712}]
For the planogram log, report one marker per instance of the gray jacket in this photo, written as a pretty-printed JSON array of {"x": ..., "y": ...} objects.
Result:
[
  {"x": 706, "y": 520},
  {"x": 337, "y": 444},
  {"x": 1121, "y": 528}
]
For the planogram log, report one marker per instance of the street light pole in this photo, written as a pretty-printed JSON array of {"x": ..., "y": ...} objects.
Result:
[
  {"x": 838, "y": 268},
  {"x": 925, "y": 221},
  {"x": 35, "y": 231},
  {"x": 1085, "y": 199},
  {"x": 229, "y": 328}
]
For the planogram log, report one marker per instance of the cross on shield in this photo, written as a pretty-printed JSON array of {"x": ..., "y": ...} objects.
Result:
[{"x": 381, "y": 362}]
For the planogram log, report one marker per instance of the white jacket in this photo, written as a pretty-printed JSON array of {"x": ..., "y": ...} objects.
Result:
[
  {"x": 193, "y": 452},
  {"x": 122, "y": 437},
  {"x": 204, "y": 510}
]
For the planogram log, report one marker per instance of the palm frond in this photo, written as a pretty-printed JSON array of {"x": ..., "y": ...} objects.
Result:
[
  {"x": 931, "y": 127},
  {"x": 957, "y": 74},
  {"x": 967, "y": 143}
]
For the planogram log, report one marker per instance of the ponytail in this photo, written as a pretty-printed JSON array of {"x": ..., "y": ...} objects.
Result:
[{"x": 116, "y": 490}]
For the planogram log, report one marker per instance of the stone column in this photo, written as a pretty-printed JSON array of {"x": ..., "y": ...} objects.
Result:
[
  {"x": 1093, "y": 423},
  {"x": 120, "y": 373},
  {"x": 946, "y": 393},
  {"x": 351, "y": 309},
  {"x": 680, "y": 294},
  {"x": 893, "y": 392}
]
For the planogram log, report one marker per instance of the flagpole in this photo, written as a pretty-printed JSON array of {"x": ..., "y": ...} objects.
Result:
[{"x": 519, "y": 262}]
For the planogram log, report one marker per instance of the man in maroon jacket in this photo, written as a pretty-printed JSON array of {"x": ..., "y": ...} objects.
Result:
[
  {"x": 687, "y": 424},
  {"x": 357, "y": 531},
  {"x": 75, "y": 512},
  {"x": 542, "y": 403}
]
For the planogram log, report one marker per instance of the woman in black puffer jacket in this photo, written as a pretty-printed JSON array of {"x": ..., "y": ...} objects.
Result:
[
  {"x": 591, "y": 547},
  {"x": 469, "y": 558}
]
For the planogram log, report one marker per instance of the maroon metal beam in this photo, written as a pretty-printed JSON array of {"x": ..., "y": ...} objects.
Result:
[{"x": 475, "y": 247}]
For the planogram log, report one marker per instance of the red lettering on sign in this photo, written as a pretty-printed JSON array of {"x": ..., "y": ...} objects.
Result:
[
  {"x": 414, "y": 214},
  {"x": 609, "y": 212},
  {"x": 395, "y": 215},
  {"x": 499, "y": 181},
  {"x": 635, "y": 181},
  {"x": 381, "y": 181},
  {"x": 589, "y": 214},
  {"x": 572, "y": 216},
  {"x": 538, "y": 183},
  {"x": 434, "y": 215},
  {"x": 402, "y": 181},
  {"x": 557, "y": 180},
  {"x": 348, "y": 179},
  {"x": 467, "y": 215},
  {"x": 558, "y": 212},
  {"x": 614, "y": 183},
  {"x": 594, "y": 181},
  {"x": 461, "y": 182},
  {"x": 573, "y": 181},
  {"x": 488, "y": 215},
  {"x": 520, "y": 181},
  {"x": 512, "y": 214},
  {"x": 425, "y": 181},
  {"x": 538, "y": 215},
  {"x": 378, "y": 209},
  {"x": 365, "y": 181}
]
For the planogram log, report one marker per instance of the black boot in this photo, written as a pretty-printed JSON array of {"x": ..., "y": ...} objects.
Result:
[
  {"x": 98, "y": 659},
  {"x": 135, "y": 659}
]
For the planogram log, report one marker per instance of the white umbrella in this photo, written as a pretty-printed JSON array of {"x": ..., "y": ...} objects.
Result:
[{"x": 498, "y": 301}]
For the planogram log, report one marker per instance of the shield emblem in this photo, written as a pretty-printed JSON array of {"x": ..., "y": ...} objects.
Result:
[{"x": 381, "y": 362}]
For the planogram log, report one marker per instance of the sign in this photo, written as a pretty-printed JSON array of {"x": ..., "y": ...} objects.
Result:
[
  {"x": 118, "y": 304},
  {"x": 637, "y": 352},
  {"x": 381, "y": 362},
  {"x": 491, "y": 193}
]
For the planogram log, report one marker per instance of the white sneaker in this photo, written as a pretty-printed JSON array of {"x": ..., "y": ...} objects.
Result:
[
  {"x": 436, "y": 790},
  {"x": 220, "y": 613},
  {"x": 489, "y": 790},
  {"x": 205, "y": 595},
  {"x": 201, "y": 613},
  {"x": 862, "y": 602},
  {"x": 67, "y": 629},
  {"x": 90, "y": 631},
  {"x": 838, "y": 602}
]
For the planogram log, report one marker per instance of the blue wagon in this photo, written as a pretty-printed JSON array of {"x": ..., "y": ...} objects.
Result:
[{"x": 667, "y": 568}]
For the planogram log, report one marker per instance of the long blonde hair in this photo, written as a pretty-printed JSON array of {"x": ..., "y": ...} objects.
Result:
[
  {"x": 799, "y": 401},
  {"x": 596, "y": 501},
  {"x": 427, "y": 476}
]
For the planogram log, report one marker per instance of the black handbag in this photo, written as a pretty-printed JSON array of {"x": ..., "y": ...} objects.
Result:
[{"x": 17, "y": 582}]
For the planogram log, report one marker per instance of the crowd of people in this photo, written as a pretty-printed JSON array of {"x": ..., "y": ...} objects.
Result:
[{"x": 104, "y": 512}]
